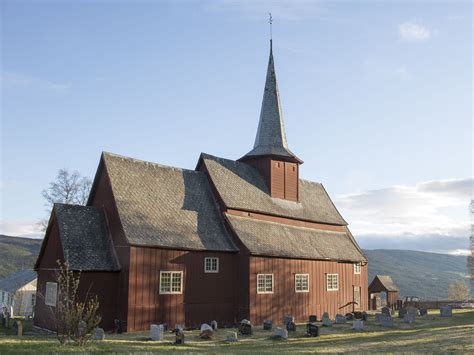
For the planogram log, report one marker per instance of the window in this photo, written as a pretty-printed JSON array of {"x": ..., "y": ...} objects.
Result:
[
  {"x": 51, "y": 294},
  {"x": 33, "y": 299},
  {"x": 357, "y": 268},
  {"x": 211, "y": 264},
  {"x": 171, "y": 282},
  {"x": 302, "y": 282},
  {"x": 332, "y": 282},
  {"x": 264, "y": 283}
]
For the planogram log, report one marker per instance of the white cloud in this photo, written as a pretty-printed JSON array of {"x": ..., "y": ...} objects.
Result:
[
  {"x": 11, "y": 80},
  {"x": 413, "y": 32},
  {"x": 463, "y": 252},
  {"x": 21, "y": 229},
  {"x": 286, "y": 10},
  {"x": 431, "y": 215}
]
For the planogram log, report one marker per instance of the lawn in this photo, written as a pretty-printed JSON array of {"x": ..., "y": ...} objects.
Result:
[{"x": 428, "y": 334}]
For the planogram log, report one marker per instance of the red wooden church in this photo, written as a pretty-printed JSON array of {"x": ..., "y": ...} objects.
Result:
[{"x": 232, "y": 239}]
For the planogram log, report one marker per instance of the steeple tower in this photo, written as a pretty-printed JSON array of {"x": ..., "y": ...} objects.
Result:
[{"x": 270, "y": 153}]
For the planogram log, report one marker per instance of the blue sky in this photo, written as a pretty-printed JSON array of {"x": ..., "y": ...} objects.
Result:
[{"x": 377, "y": 99}]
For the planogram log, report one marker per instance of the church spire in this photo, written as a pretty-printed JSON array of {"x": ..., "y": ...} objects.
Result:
[{"x": 271, "y": 136}]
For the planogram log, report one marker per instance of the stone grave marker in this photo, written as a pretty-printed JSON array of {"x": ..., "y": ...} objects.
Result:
[
  {"x": 313, "y": 318},
  {"x": 287, "y": 319},
  {"x": 214, "y": 325},
  {"x": 365, "y": 316},
  {"x": 245, "y": 327},
  {"x": 401, "y": 312},
  {"x": 413, "y": 311},
  {"x": 326, "y": 321},
  {"x": 386, "y": 321},
  {"x": 446, "y": 311},
  {"x": 386, "y": 311},
  {"x": 18, "y": 328},
  {"x": 280, "y": 333},
  {"x": 291, "y": 327},
  {"x": 156, "y": 332},
  {"x": 206, "y": 331},
  {"x": 312, "y": 330},
  {"x": 98, "y": 334},
  {"x": 179, "y": 335},
  {"x": 358, "y": 324},
  {"x": 423, "y": 311},
  {"x": 340, "y": 319},
  {"x": 408, "y": 318},
  {"x": 267, "y": 325},
  {"x": 231, "y": 336}
]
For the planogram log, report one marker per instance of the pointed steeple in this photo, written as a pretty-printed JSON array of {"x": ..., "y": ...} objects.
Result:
[{"x": 271, "y": 136}]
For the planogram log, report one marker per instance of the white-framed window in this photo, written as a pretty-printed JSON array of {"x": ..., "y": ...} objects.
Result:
[
  {"x": 302, "y": 282},
  {"x": 264, "y": 283},
  {"x": 51, "y": 294},
  {"x": 211, "y": 264},
  {"x": 357, "y": 268},
  {"x": 171, "y": 282},
  {"x": 332, "y": 282}
]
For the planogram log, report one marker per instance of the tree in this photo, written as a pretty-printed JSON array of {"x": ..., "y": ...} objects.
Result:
[
  {"x": 458, "y": 291},
  {"x": 66, "y": 188}
]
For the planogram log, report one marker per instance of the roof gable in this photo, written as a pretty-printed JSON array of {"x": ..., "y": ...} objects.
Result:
[
  {"x": 165, "y": 206},
  {"x": 242, "y": 187},
  {"x": 386, "y": 282},
  {"x": 17, "y": 280}
]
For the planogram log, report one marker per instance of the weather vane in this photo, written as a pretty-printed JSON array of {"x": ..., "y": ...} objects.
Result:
[{"x": 270, "y": 21}]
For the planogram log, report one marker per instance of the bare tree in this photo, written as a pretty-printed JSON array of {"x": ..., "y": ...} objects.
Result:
[
  {"x": 458, "y": 291},
  {"x": 68, "y": 187}
]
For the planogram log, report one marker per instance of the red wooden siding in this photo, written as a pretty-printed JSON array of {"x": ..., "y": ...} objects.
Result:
[
  {"x": 204, "y": 297},
  {"x": 291, "y": 181},
  {"x": 284, "y": 299},
  {"x": 277, "y": 179}
]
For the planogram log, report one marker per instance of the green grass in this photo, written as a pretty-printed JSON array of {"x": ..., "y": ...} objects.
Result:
[{"x": 427, "y": 334}]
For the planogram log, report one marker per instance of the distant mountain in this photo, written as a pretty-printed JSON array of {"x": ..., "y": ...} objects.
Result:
[
  {"x": 17, "y": 253},
  {"x": 422, "y": 274},
  {"x": 416, "y": 273}
]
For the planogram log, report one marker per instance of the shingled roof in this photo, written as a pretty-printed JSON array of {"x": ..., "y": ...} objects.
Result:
[
  {"x": 85, "y": 239},
  {"x": 166, "y": 207},
  {"x": 17, "y": 280},
  {"x": 242, "y": 187},
  {"x": 271, "y": 135},
  {"x": 276, "y": 239}
]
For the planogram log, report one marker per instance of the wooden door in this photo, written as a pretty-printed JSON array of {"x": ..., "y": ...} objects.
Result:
[{"x": 356, "y": 298}]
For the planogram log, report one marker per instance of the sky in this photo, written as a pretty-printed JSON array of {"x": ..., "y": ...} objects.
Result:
[{"x": 376, "y": 96}]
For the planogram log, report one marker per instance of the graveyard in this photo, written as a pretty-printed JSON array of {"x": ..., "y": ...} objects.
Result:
[{"x": 428, "y": 333}]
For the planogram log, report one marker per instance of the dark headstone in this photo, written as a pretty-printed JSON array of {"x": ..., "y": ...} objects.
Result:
[
  {"x": 312, "y": 330},
  {"x": 401, "y": 312},
  {"x": 118, "y": 326},
  {"x": 291, "y": 327},
  {"x": 98, "y": 334},
  {"x": 326, "y": 320},
  {"x": 214, "y": 325},
  {"x": 349, "y": 316},
  {"x": 423, "y": 311},
  {"x": 358, "y": 315},
  {"x": 267, "y": 325},
  {"x": 179, "y": 336},
  {"x": 280, "y": 333},
  {"x": 340, "y": 319},
  {"x": 245, "y": 327},
  {"x": 288, "y": 319},
  {"x": 446, "y": 311},
  {"x": 386, "y": 311},
  {"x": 313, "y": 318},
  {"x": 365, "y": 316}
]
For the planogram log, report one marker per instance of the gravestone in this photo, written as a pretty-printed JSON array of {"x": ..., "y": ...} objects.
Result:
[
  {"x": 119, "y": 326},
  {"x": 401, "y": 312},
  {"x": 291, "y": 327},
  {"x": 423, "y": 311},
  {"x": 312, "y": 330},
  {"x": 214, "y": 325},
  {"x": 288, "y": 319},
  {"x": 358, "y": 324},
  {"x": 280, "y": 333},
  {"x": 386, "y": 311},
  {"x": 98, "y": 334},
  {"x": 340, "y": 319},
  {"x": 245, "y": 327},
  {"x": 365, "y": 316},
  {"x": 313, "y": 318},
  {"x": 267, "y": 325},
  {"x": 326, "y": 321},
  {"x": 378, "y": 316},
  {"x": 82, "y": 328},
  {"x": 179, "y": 335},
  {"x": 2, "y": 320},
  {"x": 408, "y": 318},
  {"x": 205, "y": 331},
  {"x": 446, "y": 311},
  {"x": 18, "y": 328},
  {"x": 231, "y": 336},
  {"x": 349, "y": 316},
  {"x": 358, "y": 315},
  {"x": 386, "y": 321},
  {"x": 156, "y": 332},
  {"x": 413, "y": 311}
]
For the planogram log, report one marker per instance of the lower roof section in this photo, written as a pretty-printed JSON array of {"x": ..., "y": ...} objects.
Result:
[{"x": 281, "y": 240}]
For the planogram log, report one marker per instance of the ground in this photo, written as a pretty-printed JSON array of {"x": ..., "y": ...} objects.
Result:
[{"x": 428, "y": 334}]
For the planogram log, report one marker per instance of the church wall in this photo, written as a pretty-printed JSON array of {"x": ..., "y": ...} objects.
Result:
[
  {"x": 205, "y": 296},
  {"x": 285, "y": 300}
]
